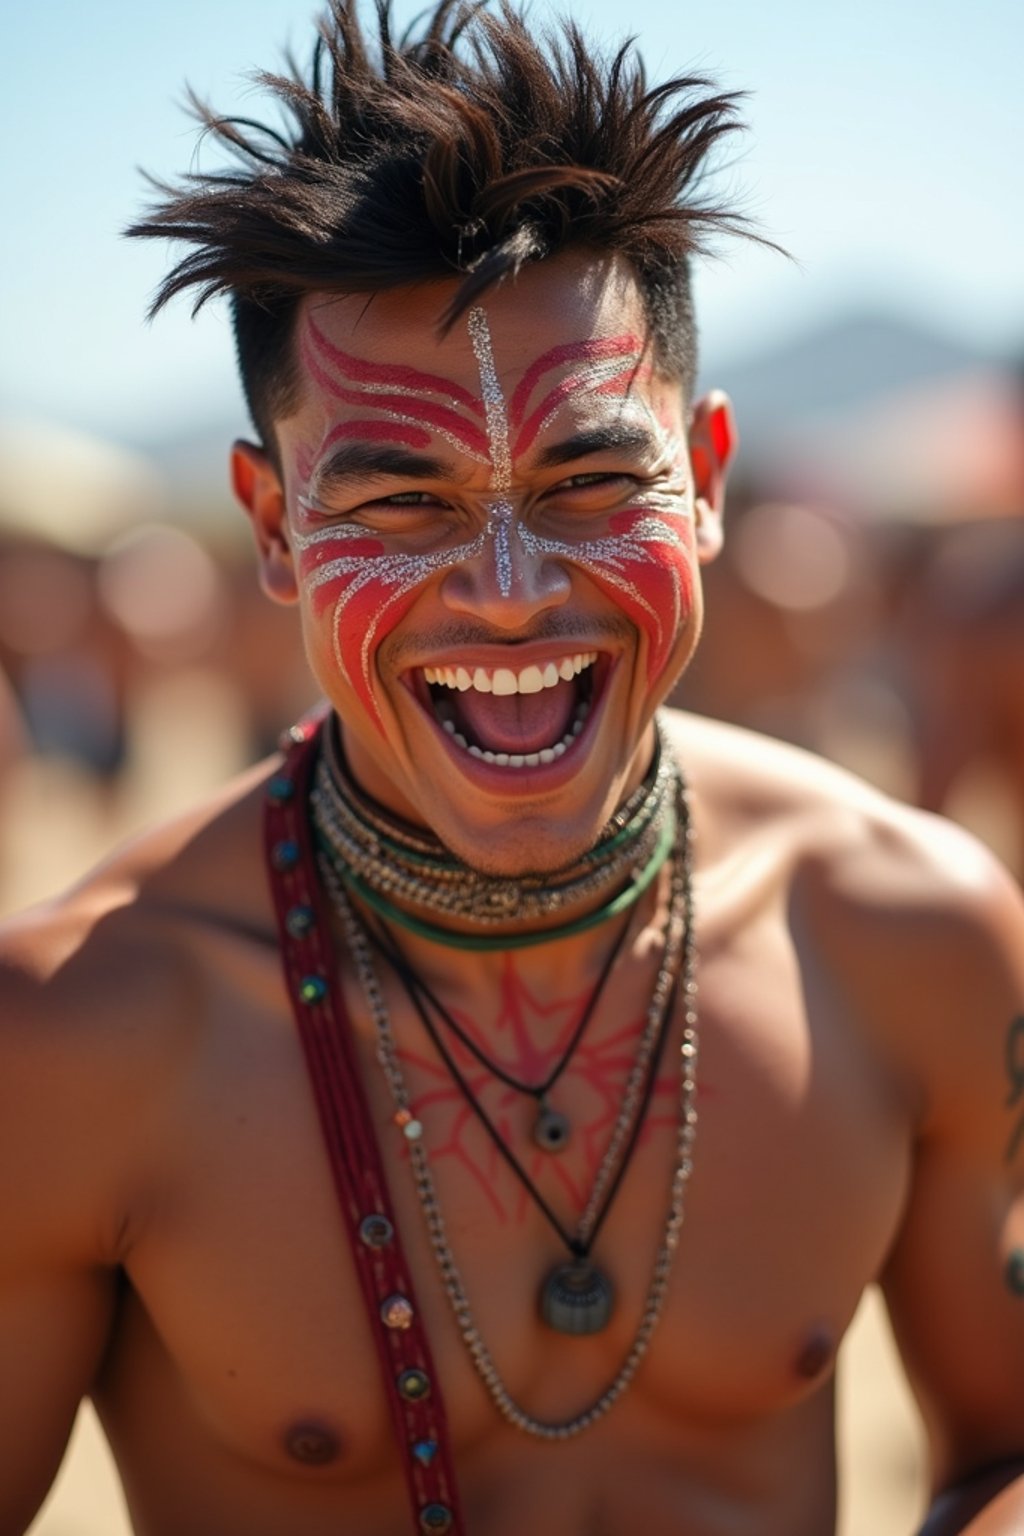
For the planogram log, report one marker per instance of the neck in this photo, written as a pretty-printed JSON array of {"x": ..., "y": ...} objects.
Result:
[
  {"x": 410, "y": 880},
  {"x": 489, "y": 985}
]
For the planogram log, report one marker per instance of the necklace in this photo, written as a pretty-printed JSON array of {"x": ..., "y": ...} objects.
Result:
[
  {"x": 384, "y": 861},
  {"x": 426, "y": 1190},
  {"x": 577, "y": 1297},
  {"x": 551, "y": 1129},
  {"x": 452, "y": 939}
]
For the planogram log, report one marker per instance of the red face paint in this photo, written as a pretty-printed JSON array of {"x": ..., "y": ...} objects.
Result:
[
  {"x": 371, "y": 431},
  {"x": 614, "y": 364},
  {"x": 643, "y": 563},
  {"x": 391, "y": 392}
]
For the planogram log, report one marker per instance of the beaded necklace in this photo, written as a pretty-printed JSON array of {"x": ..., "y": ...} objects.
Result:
[
  {"x": 680, "y": 917},
  {"x": 383, "y": 861}
]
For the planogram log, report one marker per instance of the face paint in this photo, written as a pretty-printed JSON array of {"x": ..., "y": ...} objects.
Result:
[
  {"x": 371, "y": 431},
  {"x": 611, "y": 365},
  {"x": 400, "y": 395},
  {"x": 501, "y": 511},
  {"x": 369, "y": 589},
  {"x": 643, "y": 563}
]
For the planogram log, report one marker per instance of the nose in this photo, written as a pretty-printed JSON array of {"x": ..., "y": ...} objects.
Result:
[{"x": 504, "y": 583}]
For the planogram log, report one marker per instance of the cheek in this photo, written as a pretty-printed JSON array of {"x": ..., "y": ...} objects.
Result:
[
  {"x": 349, "y": 586},
  {"x": 650, "y": 577}
]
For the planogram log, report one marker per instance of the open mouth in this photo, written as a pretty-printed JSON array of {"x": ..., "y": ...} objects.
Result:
[{"x": 515, "y": 717}]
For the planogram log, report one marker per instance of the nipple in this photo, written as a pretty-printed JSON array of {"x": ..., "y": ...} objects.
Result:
[
  {"x": 312, "y": 1444},
  {"x": 817, "y": 1352}
]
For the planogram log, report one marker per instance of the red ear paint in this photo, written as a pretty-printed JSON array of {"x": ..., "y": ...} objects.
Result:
[{"x": 722, "y": 438}]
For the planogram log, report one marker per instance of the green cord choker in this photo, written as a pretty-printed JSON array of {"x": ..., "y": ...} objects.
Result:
[{"x": 495, "y": 941}]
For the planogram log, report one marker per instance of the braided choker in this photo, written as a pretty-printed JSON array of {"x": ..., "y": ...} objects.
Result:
[{"x": 383, "y": 860}]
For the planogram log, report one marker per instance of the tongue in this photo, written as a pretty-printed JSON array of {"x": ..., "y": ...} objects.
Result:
[{"x": 516, "y": 722}]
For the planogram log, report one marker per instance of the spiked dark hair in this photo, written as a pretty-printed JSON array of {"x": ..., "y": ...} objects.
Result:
[{"x": 463, "y": 149}]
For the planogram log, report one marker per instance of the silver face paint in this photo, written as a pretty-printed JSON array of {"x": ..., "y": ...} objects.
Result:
[
  {"x": 415, "y": 421},
  {"x": 501, "y": 510},
  {"x": 591, "y": 377},
  {"x": 617, "y": 559},
  {"x": 399, "y": 574},
  {"x": 499, "y": 525}
]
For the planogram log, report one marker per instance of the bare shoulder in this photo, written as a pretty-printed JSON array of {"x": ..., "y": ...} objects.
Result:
[
  {"x": 869, "y": 853},
  {"x": 919, "y": 926},
  {"x": 103, "y": 997}
]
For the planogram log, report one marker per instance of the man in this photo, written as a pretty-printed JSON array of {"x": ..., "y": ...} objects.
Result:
[{"x": 389, "y": 1236}]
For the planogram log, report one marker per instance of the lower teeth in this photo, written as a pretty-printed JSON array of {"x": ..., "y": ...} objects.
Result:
[{"x": 522, "y": 759}]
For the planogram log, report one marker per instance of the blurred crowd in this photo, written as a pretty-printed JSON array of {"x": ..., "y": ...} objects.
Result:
[
  {"x": 140, "y": 664},
  {"x": 132, "y": 679},
  {"x": 894, "y": 648}
]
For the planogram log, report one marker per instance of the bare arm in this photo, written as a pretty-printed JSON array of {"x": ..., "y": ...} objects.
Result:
[
  {"x": 58, "y": 1162},
  {"x": 13, "y": 737},
  {"x": 988, "y": 1504},
  {"x": 955, "y": 1280},
  {"x": 53, "y": 1328}
]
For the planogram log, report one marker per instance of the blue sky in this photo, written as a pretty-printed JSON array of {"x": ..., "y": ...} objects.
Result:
[{"x": 884, "y": 152}]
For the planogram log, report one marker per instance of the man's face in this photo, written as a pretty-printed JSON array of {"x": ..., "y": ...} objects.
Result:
[{"x": 492, "y": 541}]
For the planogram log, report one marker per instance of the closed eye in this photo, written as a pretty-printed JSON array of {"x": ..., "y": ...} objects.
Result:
[
  {"x": 406, "y": 499},
  {"x": 594, "y": 477}
]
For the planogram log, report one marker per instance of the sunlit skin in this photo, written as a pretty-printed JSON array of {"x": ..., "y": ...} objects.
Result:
[
  {"x": 528, "y": 1036},
  {"x": 519, "y": 487}
]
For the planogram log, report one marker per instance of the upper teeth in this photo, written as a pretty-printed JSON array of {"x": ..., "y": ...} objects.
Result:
[{"x": 531, "y": 679}]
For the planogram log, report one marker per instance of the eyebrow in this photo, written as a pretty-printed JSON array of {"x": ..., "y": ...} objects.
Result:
[
  {"x": 357, "y": 460},
  {"x": 596, "y": 440}
]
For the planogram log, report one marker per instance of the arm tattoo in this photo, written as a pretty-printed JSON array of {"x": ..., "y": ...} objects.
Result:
[
  {"x": 1014, "y": 1272},
  {"x": 1015, "y": 1073}
]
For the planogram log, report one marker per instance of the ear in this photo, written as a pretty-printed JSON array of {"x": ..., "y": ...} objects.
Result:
[
  {"x": 713, "y": 441},
  {"x": 258, "y": 487}
]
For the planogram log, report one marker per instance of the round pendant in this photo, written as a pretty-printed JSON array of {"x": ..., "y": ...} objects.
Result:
[
  {"x": 577, "y": 1298},
  {"x": 551, "y": 1130}
]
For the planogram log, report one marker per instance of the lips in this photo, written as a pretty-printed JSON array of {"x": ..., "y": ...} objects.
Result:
[{"x": 514, "y": 717}]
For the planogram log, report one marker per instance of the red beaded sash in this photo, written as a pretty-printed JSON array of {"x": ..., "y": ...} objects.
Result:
[{"x": 312, "y": 979}]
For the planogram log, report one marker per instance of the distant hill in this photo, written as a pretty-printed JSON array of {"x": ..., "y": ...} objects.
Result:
[{"x": 839, "y": 367}]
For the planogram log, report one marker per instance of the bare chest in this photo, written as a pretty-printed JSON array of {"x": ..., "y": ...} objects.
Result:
[{"x": 245, "y": 1293}]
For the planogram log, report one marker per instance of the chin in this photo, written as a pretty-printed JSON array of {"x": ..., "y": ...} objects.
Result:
[{"x": 525, "y": 844}]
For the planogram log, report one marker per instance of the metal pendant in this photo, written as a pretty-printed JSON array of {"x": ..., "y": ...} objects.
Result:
[
  {"x": 577, "y": 1298},
  {"x": 551, "y": 1129}
]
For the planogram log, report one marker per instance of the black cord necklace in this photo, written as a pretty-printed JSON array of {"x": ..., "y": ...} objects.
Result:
[
  {"x": 552, "y": 1130},
  {"x": 577, "y": 1297}
]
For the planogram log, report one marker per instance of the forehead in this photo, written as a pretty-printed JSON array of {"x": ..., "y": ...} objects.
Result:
[{"x": 571, "y": 299}]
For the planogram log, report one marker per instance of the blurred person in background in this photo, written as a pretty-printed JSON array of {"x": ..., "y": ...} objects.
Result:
[
  {"x": 12, "y": 728},
  {"x": 62, "y": 655},
  {"x": 354, "y": 1116},
  {"x": 963, "y": 636}
]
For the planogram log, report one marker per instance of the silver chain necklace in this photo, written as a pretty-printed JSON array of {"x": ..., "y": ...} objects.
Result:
[{"x": 679, "y": 935}]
